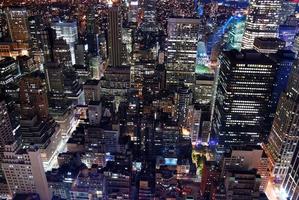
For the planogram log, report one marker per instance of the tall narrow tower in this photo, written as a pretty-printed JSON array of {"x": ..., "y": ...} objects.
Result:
[{"x": 114, "y": 35}]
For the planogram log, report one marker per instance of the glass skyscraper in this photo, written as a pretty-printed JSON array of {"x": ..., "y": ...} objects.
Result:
[
  {"x": 262, "y": 21},
  {"x": 243, "y": 93}
]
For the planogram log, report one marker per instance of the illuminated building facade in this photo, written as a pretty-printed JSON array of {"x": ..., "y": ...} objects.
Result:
[
  {"x": 183, "y": 98},
  {"x": 235, "y": 33},
  {"x": 291, "y": 182},
  {"x": 33, "y": 97},
  {"x": 9, "y": 71},
  {"x": 284, "y": 136},
  {"x": 115, "y": 47},
  {"x": 262, "y": 21},
  {"x": 24, "y": 172},
  {"x": 181, "y": 50},
  {"x": 243, "y": 94},
  {"x": 67, "y": 31},
  {"x": 17, "y": 19}
]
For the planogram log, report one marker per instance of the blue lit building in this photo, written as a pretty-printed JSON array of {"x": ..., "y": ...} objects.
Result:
[
  {"x": 288, "y": 33},
  {"x": 235, "y": 33}
]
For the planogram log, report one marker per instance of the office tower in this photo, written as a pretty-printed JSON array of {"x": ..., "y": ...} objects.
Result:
[
  {"x": 116, "y": 82},
  {"x": 262, "y": 21},
  {"x": 68, "y": 32},
  {"x": 94, "y": 112},
  {"x": 115, "y": 46},
  {"x": 9, "y": 71},
  {"x": 6, "y": 134},
  {"x": 290, "y": 183},
  {"x": 92, "y": 89},
  {"x": 92, "y": 37},
  {"x": 95, "y": 63},
  {"x": 284, "y": 60},
  {"x": 198, "y": 122},
  {"x": 284, "y": 134},
  {"x": 193, "y": 122},
  {"x": 33, "y": 97},
  {"x": 181, "y": 50},
  {"x": 17, "y": 19},
  {"x": 247, "y": 157},
  {"x": 62, "y": 53},
  {"x": 24, "y": 171},
  {"x": 3, "y": 25},
  {"x": 80, "y": 54},
  {"x": 243, "y": 95},
  {"x": 92, "y": 41},
  {"x": 242, "y": 184},
  {"x": 58, "y": 103},
  {"x": 48, "y": 36},
  {"x": 133, "y": 11},
  {"x": 183, "y": 98},
  {"x": 54, "y": 77},
  {"x": 36, "y": 26},
  {"x": 203, "y": 88},
  {"x": 72, "y": 88},
  {"x": 149, "y": 23}
]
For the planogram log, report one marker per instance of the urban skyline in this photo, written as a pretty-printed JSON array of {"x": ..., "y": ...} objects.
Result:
[{"x": 149, "y": 100}]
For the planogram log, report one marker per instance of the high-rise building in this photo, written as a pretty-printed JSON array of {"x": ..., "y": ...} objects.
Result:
[
  {"x": 9, "y": 71},
  {"x": 69, "y": 32},
  {"x": 291, "y": 182},
  {"x": 262, "y": 21},
  {"x": 6, "y": 134},
  {"x": 149, "y": 20},
  {"x": 115, "y": 46},
  {"x": 36, "y": 26},
  {"x": 54, "y": 77},
  {"x": 240, "y": 184},
  {"x": 92, "y": 89},
  {"x": 181, "y": 50},
  {"x": 284, "y": 136},
  {"x": 247, "y": 157},
  {"x": 62, "y": 53},
  {"x": 33, "y": 96},
  {"x": 95, "y": 112},
  {"x": 243, "y": 95},
  {"x": 48, "y": 36},
  {"x": 24, "y": 171},
  {"x": 183, "y": 98},
  {"x": 17, "y": 19}
]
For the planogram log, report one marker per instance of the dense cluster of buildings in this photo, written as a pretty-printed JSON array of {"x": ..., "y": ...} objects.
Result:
[{"x": 149, "y": 99}]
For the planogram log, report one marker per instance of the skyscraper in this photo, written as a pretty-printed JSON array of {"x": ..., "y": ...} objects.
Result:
[
  {"x": 243, "y": 94},
  {"x": 33, "y": 97},
  {"x": 149, "y": 20},
  {"x": 115, "y": 35},
  {"x": 6, "y": 134},
  {"x": 262, "y": 21},
  {"x": 24, "y": 171},
  {"x": 17, "y": 19},
  {"x": 284, "y": 134},
  {"x": 67, "y": 31},
  {"x": 291, "y": 182},
  {"x": 181, "y": 50}
]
